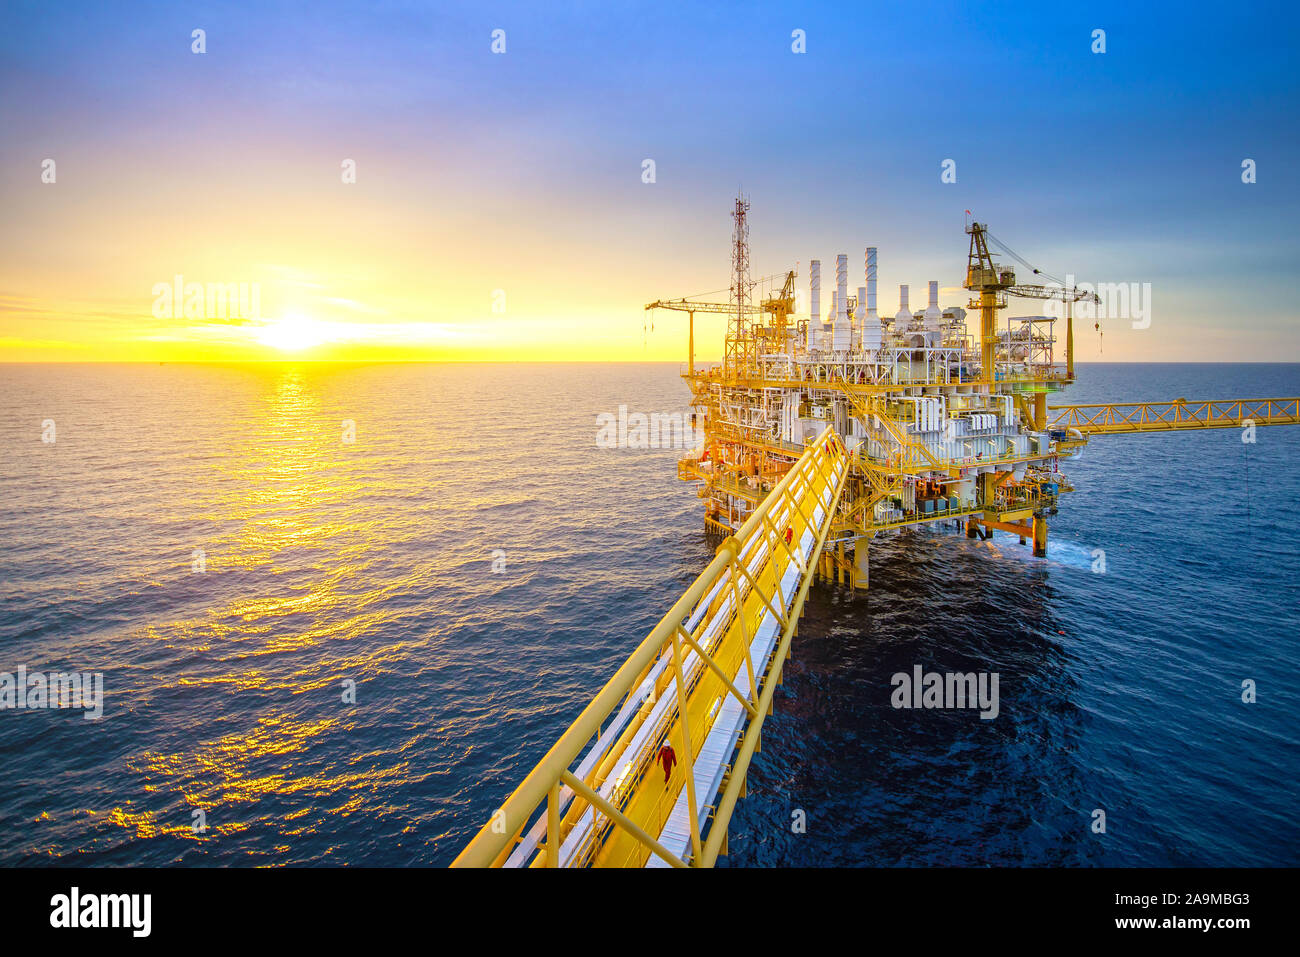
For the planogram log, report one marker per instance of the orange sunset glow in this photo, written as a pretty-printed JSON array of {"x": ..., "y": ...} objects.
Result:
[
  {"x": 846, "y": 441},
  {"x": 441, "y": 201}
]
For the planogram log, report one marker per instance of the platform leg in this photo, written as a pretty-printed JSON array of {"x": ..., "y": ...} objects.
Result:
[{"x": 861, "y": 564}]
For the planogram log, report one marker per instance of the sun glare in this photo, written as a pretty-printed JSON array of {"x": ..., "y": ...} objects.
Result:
[{"x": 293, "y": 333}]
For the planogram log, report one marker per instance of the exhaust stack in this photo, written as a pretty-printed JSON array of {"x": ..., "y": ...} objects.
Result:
[
  {"x": 841, "y": 328},
  {"x": 871, "y": 331},
  {"x": 932, "y": 312},
  {"x": 904, "y": 315},
  {"x": 814, "y": 303},
  {"x": 871, "y": 283}
]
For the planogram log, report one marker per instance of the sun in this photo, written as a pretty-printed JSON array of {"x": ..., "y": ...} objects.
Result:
[{"x": 293, "y": 333}]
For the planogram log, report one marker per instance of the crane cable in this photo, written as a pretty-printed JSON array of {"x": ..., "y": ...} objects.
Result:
[
  {"x": 727, "y": 289},
  {"x": 1020, "y": 259},
  {"x": 648, "y": 326},
  {"x": 1038, "y": 272}
]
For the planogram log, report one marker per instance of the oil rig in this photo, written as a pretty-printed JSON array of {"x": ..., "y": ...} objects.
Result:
[
  {"x": 819, "y": 433},
  {"x": 940, "y": 423}
]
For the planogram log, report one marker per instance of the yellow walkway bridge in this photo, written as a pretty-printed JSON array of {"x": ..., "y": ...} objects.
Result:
[
  {"x": 1172, "y": 416},
  {"x": 701, "y": 682}
]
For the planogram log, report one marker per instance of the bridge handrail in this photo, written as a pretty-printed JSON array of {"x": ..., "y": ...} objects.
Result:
[
  {"x": 495, "y": 838},
  {"x": 1178, "y": 413}
]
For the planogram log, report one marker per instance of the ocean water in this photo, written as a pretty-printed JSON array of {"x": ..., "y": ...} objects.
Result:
[{"x": 478, "y": 568}]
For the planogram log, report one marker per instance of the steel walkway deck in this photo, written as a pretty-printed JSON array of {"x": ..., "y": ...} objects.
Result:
[{"x": 702, "y": 681}]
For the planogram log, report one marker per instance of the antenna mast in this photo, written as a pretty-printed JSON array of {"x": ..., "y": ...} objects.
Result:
[{"x": 739, "y": 341}]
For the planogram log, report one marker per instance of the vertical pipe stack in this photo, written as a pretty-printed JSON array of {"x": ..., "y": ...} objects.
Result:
[
  {"x": 842, "y": 279},
  {"x": 932, "y": 312},
  {"x": 904, "y": 316},
  {"x": 871, "y": 335},
  {"x": 814, "y": 303},
  {"x": 841, "y": 330}
]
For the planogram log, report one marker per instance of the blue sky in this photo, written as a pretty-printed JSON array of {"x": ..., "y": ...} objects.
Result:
[{"x": 522, "y": 171}]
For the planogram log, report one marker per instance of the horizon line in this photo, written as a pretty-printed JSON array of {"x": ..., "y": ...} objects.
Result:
[{"x": 537, "y": 362}]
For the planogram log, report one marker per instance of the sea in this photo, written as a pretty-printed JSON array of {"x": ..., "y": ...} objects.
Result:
[{"x": 341, "y": 610}]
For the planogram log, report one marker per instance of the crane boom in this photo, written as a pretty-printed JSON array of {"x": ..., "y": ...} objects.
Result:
[
  {"x": 1064, "y": 294},
  {"x": 690, "y": 305}
]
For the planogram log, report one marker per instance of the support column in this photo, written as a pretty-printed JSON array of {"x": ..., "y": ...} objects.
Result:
[
  {"x": 970, "y": 527},
  {"x": 690, "y": 348},
  {"x": 1040, "y": 411},
  {"x": 553, "y": 826},
  {"x": 1040, "y": 537},
  {"x": 688, "y": 759},
  {"x": 1069, "y": 340},
  {"x": 861, "y": 563},
  {"x": 988, "y": 333}
]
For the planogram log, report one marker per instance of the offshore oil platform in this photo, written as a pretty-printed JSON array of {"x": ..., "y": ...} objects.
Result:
[
  {"x": 939, "y": 422},
  {"x": 819, "y": 433}
]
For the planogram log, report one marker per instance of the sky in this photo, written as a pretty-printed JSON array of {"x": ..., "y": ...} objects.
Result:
[{"x": 500, "y": 208}]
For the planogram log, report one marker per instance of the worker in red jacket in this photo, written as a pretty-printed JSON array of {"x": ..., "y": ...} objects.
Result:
[{"x": 667, "y": 757}]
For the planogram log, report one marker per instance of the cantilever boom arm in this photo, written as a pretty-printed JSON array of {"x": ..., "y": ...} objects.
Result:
[
  {"x": 685, "y": 305},
  {"x": 1053, "y": 292},
  {"x": 1180, "y": 414}
]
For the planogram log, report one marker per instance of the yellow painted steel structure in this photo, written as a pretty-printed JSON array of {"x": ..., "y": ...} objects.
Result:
[
  {"x": 985, "y": 452},
  {"x": 905, "y": 472},
  {"x": 1121, "y": 418},
  {"x": 716, "y": 656}
]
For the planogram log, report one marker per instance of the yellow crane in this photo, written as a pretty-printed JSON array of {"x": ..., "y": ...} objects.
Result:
[
  {"x": 691, "y": 307},
  {"x": 994, "y": 283},
  {"x": 1068, "y": 295},
  {"x": 779, "y": 307}
]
